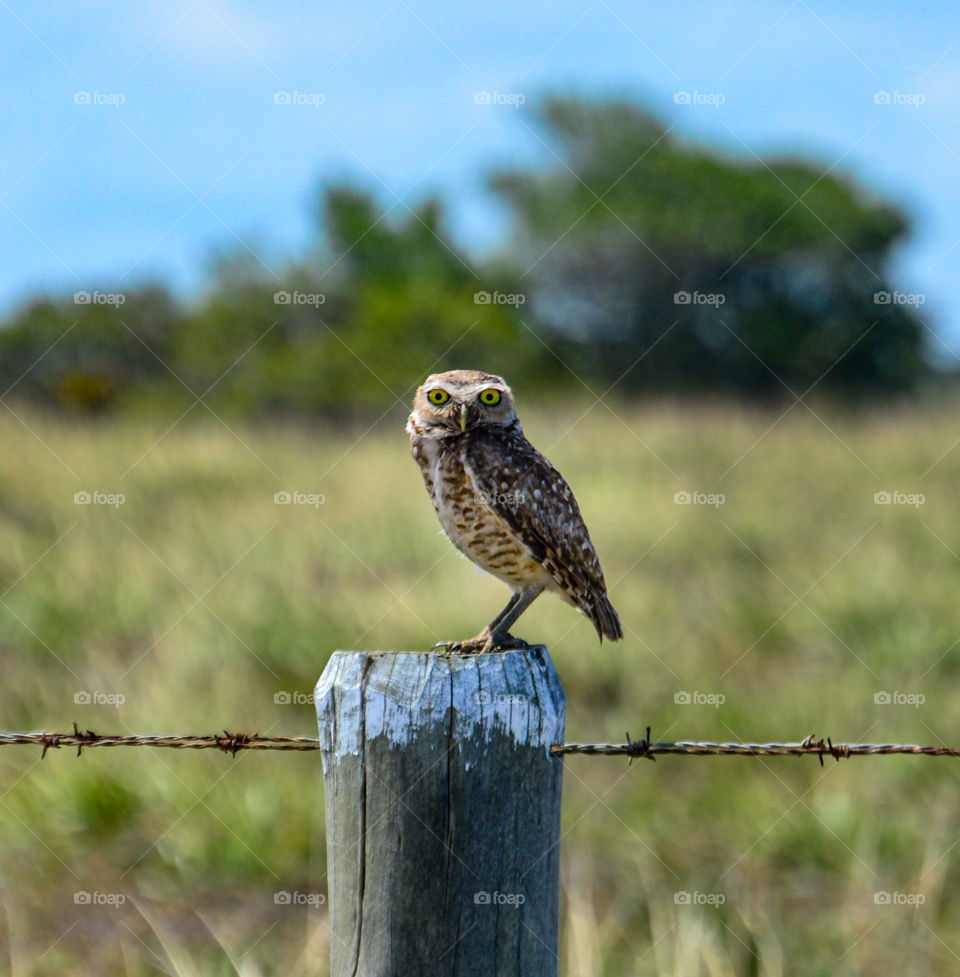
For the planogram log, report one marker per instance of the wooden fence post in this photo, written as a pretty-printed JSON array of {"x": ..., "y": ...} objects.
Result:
[{"x": 443, "y": 812}]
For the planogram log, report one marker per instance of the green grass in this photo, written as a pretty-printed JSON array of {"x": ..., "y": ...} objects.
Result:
[{"x": 199, "y": 600}]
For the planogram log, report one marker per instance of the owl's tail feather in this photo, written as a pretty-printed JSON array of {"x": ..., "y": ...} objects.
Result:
[{"x": 605, "y": 619}]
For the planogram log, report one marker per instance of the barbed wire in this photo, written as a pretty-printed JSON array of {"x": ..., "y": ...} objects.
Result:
[
  {"x": 234, "y": 743},
  {"x": 635, "y": 749},
  {"x": 226, "y": 741}
]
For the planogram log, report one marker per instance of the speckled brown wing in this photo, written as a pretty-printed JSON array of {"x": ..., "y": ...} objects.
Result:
[{"x": 534, "y": 500}]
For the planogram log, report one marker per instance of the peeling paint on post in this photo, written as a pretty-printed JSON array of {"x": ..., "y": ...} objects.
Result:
[{"x": 443, "y": 812}]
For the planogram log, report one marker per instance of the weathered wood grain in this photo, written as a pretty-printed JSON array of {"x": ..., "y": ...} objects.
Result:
[{"x": 443, "y": 812}]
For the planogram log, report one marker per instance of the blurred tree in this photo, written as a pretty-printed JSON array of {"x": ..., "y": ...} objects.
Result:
[
  {"x": 87, "y": 352},
  {"x": 352, "y": 327},
  {"x": 745, "y": 277},
  {"x": 414, "y": 302}
]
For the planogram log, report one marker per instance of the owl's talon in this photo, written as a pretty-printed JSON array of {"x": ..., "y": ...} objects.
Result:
[
  {"x": 482, "y": 644},
  {"x": 450, "y": 647}
]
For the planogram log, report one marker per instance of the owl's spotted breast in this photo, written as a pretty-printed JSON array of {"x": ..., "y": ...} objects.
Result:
[{"x": 468, "y": 519}]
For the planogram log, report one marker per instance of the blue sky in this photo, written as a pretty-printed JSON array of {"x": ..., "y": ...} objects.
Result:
[{"x": 181, "y": 148}]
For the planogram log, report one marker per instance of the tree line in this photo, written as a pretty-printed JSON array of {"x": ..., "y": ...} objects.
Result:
[{"x": 637, "y": 261}]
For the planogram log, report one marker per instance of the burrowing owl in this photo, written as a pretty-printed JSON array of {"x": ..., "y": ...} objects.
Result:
[{"x": 502, "y": 503}]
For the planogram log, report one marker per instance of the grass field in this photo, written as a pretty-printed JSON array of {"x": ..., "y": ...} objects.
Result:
[{"x": 205, "y": 605}]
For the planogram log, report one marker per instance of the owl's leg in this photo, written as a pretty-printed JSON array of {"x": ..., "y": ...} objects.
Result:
[
  {"x": 507, "y": 614},
  {"x": 498, "y": 629}
]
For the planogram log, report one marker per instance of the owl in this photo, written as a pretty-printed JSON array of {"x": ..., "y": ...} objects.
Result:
[{"x": 502, "y": 503}]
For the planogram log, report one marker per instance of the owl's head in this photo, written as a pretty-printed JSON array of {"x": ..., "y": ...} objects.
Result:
[{"x": 448, "y": 404}]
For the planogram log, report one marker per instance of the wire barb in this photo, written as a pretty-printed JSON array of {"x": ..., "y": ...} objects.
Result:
[{"x": 639, "y": 748}]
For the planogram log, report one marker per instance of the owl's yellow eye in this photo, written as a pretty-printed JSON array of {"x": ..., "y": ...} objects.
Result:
[
  {"x": 438, "y": 396},
  {"x": 490, "y": 397}
]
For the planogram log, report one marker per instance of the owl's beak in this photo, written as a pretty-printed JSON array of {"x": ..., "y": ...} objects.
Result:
[{"x": 463, "y": 417}]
